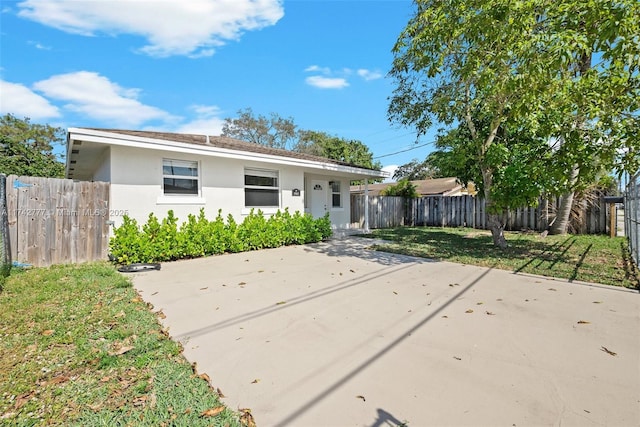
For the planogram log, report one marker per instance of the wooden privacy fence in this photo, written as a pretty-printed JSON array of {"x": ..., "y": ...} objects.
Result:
[
  {"x": 55, "y": 221},
  {"x": 467, "y": 211}
]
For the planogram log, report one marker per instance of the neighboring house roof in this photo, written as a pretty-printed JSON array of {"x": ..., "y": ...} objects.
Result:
[
  {"x": 424, "y": 187},
  {"x": 198, "y": 144}
]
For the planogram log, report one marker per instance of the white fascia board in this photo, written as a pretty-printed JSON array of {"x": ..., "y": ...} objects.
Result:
[{"x": 108, "y": 138}]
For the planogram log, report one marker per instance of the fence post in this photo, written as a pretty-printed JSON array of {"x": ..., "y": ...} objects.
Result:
[
  {"x": 632, "y": 217},
  {"x": 5, "y": 246}
]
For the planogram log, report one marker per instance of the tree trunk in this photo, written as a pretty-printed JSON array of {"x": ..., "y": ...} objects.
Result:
[
  {"x": 561, "y": 222},
  {"x": 495, "y": 220},
  {"x": 496, "y": 225}
]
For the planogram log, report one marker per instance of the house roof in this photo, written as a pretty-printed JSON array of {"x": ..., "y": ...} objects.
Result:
[
  {"x": 200, "y": 144},
  {"x": 424, "y": 187}
]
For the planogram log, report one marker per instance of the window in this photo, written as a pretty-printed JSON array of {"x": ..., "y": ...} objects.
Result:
[
  {"x": 336, "y": 195},
  {"x": 261, "y": 188},
  {"x": 180, "y": 177}
]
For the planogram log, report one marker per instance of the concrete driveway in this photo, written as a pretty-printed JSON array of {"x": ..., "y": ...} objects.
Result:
[{"x": 333, "y": 334}]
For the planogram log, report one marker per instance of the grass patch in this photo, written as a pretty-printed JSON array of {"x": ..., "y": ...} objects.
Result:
[
  {"x": 78, "y": 346},
  {"x": 587, "y": 258}
]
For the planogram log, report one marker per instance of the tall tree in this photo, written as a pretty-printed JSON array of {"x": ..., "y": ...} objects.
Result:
[
  {"x": 593, "y": 45},
  {"x": 27, "y": 148},
  {"x": 518, "y": 159},
  {"x": 497, "y": 62},
  {"x": 349, "y": 151},
  {"x": 416, "y": 170},
  {"x": 273, "y": 131},
  {"x": 276, "y": 132}
]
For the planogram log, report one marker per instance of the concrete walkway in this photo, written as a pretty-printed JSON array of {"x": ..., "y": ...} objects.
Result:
[{"x": 333, "y": 334}]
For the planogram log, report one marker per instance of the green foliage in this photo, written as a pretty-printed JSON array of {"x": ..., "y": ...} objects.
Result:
[
  {"x": 518, "y": 162},
  {"x": 403, "y": 188},
  {"x": 416, "y": 170},
  {"x": 323, "y": 226},
  {"x": 322, "y": 144},
  {"x": 527, "y": 66},
  {"x": 27, "y": 148},
  {"x": 277, "y": 132},
  {"x": 128, "y": 244},
  {"x": 273, "y": 131},
  {"x": 164, "y": 240}
]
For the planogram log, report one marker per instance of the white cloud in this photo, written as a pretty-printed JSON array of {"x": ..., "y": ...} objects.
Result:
[
  {"x": 21, "y": 101},
  {"x": 329, "y": 79},
  {"x": 369, "y": 75},
  {"x": 391, "y": 169},
  {"x": 316, "y": 68},
  {"x": 171, "y": 27},
  {"x": 327, "y": 82},
  {"x": 97, "y": 97},
  {"x": 207, "y": 121},
  {"x": 38, "y": 45}
]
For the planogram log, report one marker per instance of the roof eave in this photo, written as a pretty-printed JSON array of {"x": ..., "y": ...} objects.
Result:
[{"x": 112, "y": 138}]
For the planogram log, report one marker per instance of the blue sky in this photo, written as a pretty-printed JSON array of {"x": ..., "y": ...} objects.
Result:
[{"x": 185, "y": 66}]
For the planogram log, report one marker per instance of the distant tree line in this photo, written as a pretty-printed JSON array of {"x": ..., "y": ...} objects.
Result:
[
  {"x": 279, "y": 132},
  {"x": 28, "y": 149}
]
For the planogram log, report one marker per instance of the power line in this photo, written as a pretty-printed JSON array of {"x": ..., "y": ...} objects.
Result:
[{"x": 405, "y": 150}]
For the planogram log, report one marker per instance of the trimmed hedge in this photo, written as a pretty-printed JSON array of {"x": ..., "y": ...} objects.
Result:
[{"x": 164, "y": 240}]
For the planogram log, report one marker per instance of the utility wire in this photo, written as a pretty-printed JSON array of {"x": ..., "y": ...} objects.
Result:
[{"x": 405, "y": 150}]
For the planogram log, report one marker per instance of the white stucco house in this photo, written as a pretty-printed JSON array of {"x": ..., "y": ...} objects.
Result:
[{"x": 159, "y": 171}]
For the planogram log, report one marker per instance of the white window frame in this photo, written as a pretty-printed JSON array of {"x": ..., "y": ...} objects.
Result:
[
  {"x": 269, "y": 173},
  {"x": 196, "y": 178},
  {"x": 333, "y": 193}
]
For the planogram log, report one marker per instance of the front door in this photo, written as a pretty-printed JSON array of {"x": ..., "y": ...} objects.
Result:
[{"x": 319, "y": 193}]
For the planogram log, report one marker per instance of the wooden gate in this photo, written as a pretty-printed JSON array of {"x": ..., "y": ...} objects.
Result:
[{"x": 57, "y": 221}]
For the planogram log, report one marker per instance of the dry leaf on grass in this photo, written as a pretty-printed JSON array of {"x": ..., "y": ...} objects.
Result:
[
  {"x": 161, "y": 315},
  {"x": 121, "y": 314},
  {"x": 136, "y": 299},
  {"x": 205, "y": 377},
  {"x": 220, "y": 394},
  {"x": 212, "y": 412},
  {"x": 57, "y": 380},
  {"x": 246, "y": 419},
  {"x": 121, "y": 350},
  {"x": 48, "y": 332},
  {"x": 140, "y": 401},
  {"x": 22, "y": 400}
]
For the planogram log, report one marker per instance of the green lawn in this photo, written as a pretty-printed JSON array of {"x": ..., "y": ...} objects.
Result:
[
  {"x": 587, "y": 258},
  {"x": 79, "y": 347}
]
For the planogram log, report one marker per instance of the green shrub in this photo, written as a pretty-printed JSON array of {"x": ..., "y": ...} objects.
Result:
[
  {"x": 166, "y": 241},
  {"x": 323, "y": 225},
  {"x": 126, "y": 244}
]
